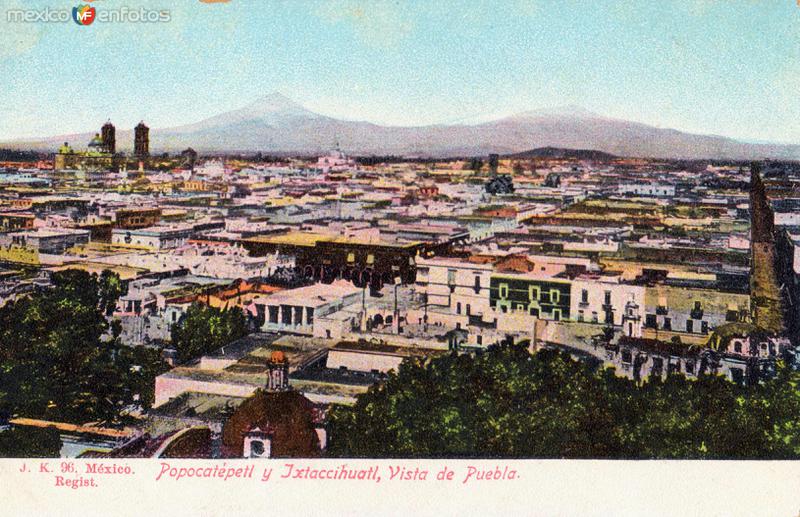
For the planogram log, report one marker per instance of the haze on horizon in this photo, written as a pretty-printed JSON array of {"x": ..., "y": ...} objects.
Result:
[{"x": 701, "y": 66}]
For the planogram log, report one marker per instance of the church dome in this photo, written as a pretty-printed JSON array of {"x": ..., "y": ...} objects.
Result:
[
  {"x": 289, "y": 416},
  {"x": 96, "y": 141}
]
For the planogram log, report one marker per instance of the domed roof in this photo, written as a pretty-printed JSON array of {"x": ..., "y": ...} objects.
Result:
[
  {"x": 96, "y": 141},
  {"x": 288, "y": 415}
]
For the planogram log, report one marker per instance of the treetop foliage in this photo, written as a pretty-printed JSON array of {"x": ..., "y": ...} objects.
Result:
[{"x": 510, "y": 403}]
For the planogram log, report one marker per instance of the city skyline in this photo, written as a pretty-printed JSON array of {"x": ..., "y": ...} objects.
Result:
[{"x": 701, "y": 67}]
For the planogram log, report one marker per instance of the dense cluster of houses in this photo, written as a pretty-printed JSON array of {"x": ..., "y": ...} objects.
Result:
[{"x": 345, "y": 270}]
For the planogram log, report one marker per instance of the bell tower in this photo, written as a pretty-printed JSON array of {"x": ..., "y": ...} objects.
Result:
[
  {"x": 141, "y": 141},
  {"x": 109, "y": 137},
  {"x": 278, "y": 366}
]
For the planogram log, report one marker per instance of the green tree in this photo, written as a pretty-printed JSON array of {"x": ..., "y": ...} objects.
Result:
[
  {"x": 509, "y": 403},
  {"x": 204, "y": 329},
  {"x": 57, "y": 360},
  {"x": 502, "y": 403},
  {"x": 30, "y": 442},
  {"x": 110, "y": 288}
]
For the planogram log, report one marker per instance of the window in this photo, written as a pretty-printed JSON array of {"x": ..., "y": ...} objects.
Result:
[
  {"x": 607, "y": 298},
  {"x": 580, "y": 315},
  {"x": 667, "y": 323},
  {"x": 480, "y": 339},
  {"x": 737, "y": 347},
  {"x": 477, "y": 284},
  {"x": 704, "y": 327},
  {"x": 504, "y": 309},
  {"x": 557, "y": 314},
  {"x": 584, "y": 296},
  {"x": 256, "y": 448},
  {"x": 520, "y": 307},
  {"x": 533, "y": 311},
  {"x": 555, "y": 295},
  {"x": 689, "y": 326},
  {"x": 503, "y": 291},
  {"x": 458, "y": 308},
  {"x": 594, "y": 317},
  {"x": 469, "y": 311},
  {"x": 697, "y": 311},
  {"x": 731, "y": 315},
  {"x": 609, "y": 317},
  {"x": 351, "y": 257},
  {"x": 533, "y": 293}
]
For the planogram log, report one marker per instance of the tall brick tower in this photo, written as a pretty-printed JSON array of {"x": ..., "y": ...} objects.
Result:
[
  {"x": 108, "y": 135},
  {"x": 141, "y": 141},
  {"x": 765, "y": 286}
]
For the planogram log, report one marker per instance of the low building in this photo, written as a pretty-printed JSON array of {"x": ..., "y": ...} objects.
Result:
[
  {"x": 53, "y": 241},
  {"x": 647, "y": 189},
  {"x": 154, "y": 237},
  {"x": 372, "y": 357},
  {"x": 298, "y": 310}
]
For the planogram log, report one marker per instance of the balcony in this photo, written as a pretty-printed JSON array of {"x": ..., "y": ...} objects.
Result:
[{"x": 696, "y": 314}]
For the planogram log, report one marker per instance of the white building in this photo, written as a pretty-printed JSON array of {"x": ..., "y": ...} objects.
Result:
[
  {"x": 602, "y": 299},
  {"x": 647, "y": 189},
  {"x": 454, "y": 287},
  {"x": 306, "y": 310},
  {"x": 154, "y": 237},
  {"x": 46, "y": 240},
  {"x": 335, "y": 161}
]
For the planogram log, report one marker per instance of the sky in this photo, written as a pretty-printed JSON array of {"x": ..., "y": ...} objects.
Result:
[{"x": 723, "y": 67}]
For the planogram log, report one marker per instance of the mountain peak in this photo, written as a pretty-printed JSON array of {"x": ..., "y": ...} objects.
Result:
[
  {"x": 275, "y": 101},
  {"x": 570, "y": 111},
  {"x": 275, "y": 104}
]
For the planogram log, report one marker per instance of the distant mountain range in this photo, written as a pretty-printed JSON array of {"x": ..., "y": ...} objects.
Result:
[
  {"x": 275, "y": 124},
  {"x": 558, "y": 152}
]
